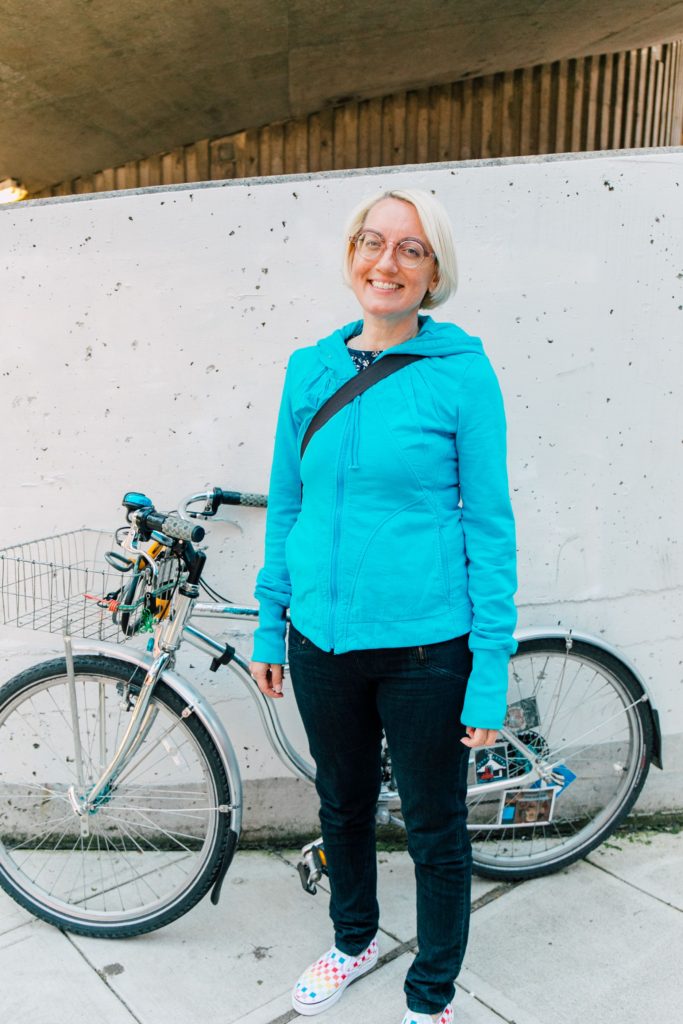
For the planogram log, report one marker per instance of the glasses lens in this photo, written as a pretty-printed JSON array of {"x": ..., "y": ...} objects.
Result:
[
  {"x": 369, "y": 244},
  {"x": 410, "y": 253}
]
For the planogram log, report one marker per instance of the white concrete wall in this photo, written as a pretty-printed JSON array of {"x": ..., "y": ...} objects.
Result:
[{"x": 145, "y": 335}]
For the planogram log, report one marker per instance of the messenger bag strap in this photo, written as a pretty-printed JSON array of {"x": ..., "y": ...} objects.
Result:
[{"x": 377, "y": 371}]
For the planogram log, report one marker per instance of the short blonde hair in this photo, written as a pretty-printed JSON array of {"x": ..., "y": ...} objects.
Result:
[{"x": 437, "y": 228}]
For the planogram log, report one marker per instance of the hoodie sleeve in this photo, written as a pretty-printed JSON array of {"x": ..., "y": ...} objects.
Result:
[
  {"x": 489, "y": 543},
  {"x": 273, "y": 586}
]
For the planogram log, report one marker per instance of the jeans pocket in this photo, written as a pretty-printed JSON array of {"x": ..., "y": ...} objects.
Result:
[
  {"x": 296, "y": 641},
  {"x": 451, "y": 658}
]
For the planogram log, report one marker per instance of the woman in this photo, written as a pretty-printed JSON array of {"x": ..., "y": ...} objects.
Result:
[{"x": 392, "y": 544}]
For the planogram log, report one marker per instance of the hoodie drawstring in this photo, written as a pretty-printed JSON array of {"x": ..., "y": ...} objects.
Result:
[{"x": 355, "y": 432}]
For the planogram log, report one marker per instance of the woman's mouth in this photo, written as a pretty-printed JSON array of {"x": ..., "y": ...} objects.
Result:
[{"x": 385, "y": 286}]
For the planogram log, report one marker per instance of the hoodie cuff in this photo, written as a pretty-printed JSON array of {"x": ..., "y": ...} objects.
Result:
[
  {"x": 269, "y": 637},
  {"x": 485, "y": 704}
]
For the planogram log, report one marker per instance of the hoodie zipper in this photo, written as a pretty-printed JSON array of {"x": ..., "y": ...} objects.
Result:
[{"x": 334, "y": 555}]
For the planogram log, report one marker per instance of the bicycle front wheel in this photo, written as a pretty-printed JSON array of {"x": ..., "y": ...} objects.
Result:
[
  {"x": 154, "y": 842},
  {"x": 582, "y": 713}
]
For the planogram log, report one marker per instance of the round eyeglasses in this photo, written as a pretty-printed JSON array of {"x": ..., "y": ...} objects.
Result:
[{"x": 410, "y": 252}]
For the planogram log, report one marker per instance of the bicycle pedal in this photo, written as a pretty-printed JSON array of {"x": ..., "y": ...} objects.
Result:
[{"x": 305, "y": 878}]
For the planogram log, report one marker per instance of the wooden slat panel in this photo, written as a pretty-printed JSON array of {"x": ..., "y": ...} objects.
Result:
[
  {"x": 398, "y": 129},
  {"x": 224, "y": 158},
  {"x": 375, "y": 133},
  {"x": 649, "y": 101},
  {"x": 65, "y": 188},
  {"x": 197, "y": 161},
  {"x": 410, "y": 146},
  {"x": 149, "y": 171},
  {"x": 442, "y": 127},
  {"x": 466, "y": 120},
  {"x": 590, "y": 103},
  {"x": 289, "y": 147},
  {"x": 301, "y": 145},
  {"x": 422, "y": 133},
  {"x": 350, "y": 134},
  {"x": 327, "y": 139},
  {"x": 544, "y": 99},
  {"x": 166, "y": 169},
  {"x": 657, "y": 104},
  {"x": 616, "y": 132},
  {"x": 665, "y": 116},
  {"x": 485, "y": 100},
  {"x": 630, "y": 84},
  {"x": 575, "y": 110},
  {"x": 603, "y": 102},
  {"x": 476, "y": 119},
  {"x": 277, "y": 148},
  {"x": 639, "y": 118},
  {"x": 264, "y": 151},
  {"x": 387, "y": 133},
  {"x": 508, "y": 139},
  {"x": 314, "y": 143},
  {"x": 526, "y": 130}
]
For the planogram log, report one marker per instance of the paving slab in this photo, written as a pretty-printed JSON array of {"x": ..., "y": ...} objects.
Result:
[
  {"x": 234, "y": 962},
  {"x": 651, "y": 861},
  {"x": 45, "y": 980},
  {"x": 11, "y": 914},
  {"x": 576, "y": 946}
]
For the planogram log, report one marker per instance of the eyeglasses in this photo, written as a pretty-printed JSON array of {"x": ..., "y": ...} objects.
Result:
[{"x": 410, "y": 252}]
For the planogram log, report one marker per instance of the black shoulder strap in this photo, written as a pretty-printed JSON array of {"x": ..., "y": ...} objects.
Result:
[{"x": 377, "y": 371}]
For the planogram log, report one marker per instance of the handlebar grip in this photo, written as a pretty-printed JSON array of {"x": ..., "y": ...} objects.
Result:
[
  {"x": 243, "y": 498},
  {"x": 173, "y": 526},
  {"x": 180, "y": 529}
]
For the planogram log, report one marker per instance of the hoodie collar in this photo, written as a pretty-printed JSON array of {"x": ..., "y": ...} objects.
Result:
[{"x": 432, "y": 339}]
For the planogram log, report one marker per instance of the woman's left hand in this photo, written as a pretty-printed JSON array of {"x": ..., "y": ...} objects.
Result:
[{"x": 479, "y": 737}]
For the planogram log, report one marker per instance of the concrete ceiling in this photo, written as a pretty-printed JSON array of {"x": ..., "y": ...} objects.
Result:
[{"x": 89, "y": 84}]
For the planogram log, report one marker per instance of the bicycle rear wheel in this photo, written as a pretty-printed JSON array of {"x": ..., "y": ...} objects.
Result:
[
  {"x": 582, "y": 712},
  {"x": 153, "y": 844}
]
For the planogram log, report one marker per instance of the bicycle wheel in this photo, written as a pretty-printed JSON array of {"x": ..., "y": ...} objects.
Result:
[
  {"x": 153, "y": 844},
  {"x": 582, "y": 712}
]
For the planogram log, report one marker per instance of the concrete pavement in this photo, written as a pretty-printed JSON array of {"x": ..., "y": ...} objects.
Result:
[{"x": 599, "y": 943}]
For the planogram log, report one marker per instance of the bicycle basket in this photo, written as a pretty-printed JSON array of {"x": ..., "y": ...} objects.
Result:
[{"x": 64, "y": 578}]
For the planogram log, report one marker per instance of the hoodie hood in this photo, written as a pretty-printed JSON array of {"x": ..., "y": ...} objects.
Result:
[{"x": 432, "y": 339}]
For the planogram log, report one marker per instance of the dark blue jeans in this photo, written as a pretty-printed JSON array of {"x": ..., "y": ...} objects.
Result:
[{"x": 416, "y": 694}]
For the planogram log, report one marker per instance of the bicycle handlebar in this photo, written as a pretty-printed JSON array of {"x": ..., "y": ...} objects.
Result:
[{"x": 213, "y": 499}]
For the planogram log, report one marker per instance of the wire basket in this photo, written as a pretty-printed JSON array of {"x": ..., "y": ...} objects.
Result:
[{"x": 47, "y": 583}]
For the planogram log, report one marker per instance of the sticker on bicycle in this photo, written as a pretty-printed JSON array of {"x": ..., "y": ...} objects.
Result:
[
  {"x": 491, "y": 763},
  {"x": 522, "y": 714},
  {"x": 527, "y": 807},
  {"x": 562, "y": 777}
]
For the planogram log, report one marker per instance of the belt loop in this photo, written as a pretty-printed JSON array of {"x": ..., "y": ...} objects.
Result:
[{"x": 421, "y": 656}]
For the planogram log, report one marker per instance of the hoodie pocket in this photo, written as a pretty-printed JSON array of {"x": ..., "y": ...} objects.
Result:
[{"x": 401, "y": 573}]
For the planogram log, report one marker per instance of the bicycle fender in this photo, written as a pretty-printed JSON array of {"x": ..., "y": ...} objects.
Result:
[
  {"x": 596, "y": 641},
  {"x": 204, "y": 712}
]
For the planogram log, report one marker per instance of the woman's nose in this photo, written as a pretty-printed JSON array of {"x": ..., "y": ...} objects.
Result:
[{"x": 387, "y": 259}]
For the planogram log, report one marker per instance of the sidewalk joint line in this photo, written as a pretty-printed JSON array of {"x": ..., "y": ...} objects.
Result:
[
  {"x": 632, "y": 885},
  {"x": 103, "y": 978}
]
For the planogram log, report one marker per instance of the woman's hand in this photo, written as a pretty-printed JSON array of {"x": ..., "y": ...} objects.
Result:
[
  {"x": 268, "y": 677},
  {"x": 479, "y": 737}
]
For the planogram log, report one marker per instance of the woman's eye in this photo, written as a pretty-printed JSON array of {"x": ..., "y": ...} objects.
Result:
[
  {"x": 411, "y": 250},
  {"x": 371, "y": 243}
]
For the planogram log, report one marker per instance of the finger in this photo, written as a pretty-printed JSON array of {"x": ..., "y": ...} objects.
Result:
[
  {"x": 476, "y": 738},
  {"x": 276, "y": 677}
]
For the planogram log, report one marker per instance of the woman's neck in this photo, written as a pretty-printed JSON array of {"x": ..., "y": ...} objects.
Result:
[{"x": 380, "y": 334}]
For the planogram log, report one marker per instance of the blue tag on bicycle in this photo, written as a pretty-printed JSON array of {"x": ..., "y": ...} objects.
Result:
[{"x": 561, "y": 771}]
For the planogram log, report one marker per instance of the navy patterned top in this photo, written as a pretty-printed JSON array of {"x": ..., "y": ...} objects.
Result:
[{"x": 363, "y": 357}]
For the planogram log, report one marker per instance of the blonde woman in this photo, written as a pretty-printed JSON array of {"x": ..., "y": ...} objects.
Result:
[{"x": 391, "y": 542}]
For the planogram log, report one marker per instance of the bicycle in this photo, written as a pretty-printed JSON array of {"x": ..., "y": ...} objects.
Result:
[{"x": 120, "y": 792}]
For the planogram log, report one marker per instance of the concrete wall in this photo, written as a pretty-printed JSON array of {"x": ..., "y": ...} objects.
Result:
[{"x": 145, "y": 336}]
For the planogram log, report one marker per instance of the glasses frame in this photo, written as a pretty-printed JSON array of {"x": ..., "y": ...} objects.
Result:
[{"x": 393, "y": 246}]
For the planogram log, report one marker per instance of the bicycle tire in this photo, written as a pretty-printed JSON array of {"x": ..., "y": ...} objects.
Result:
[
  {"x": 611, "y": 781},
  {"x": 94, "y": 675}
]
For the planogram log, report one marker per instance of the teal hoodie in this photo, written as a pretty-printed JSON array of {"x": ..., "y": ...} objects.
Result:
[{"x": 402, "y": 533}]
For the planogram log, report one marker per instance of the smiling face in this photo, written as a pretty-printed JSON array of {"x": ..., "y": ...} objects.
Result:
[{"x": 386, "y": 290}]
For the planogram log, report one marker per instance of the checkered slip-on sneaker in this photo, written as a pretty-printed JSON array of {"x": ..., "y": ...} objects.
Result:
[
  {"x": 323, "y": 983},
  {"x": 426, "y": 1018}
]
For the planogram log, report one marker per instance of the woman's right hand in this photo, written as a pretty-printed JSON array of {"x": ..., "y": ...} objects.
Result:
[{"x": 268, "y": 677}]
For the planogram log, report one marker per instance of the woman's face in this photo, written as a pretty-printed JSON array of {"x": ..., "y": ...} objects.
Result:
[{"x": 385, "y": 289}]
